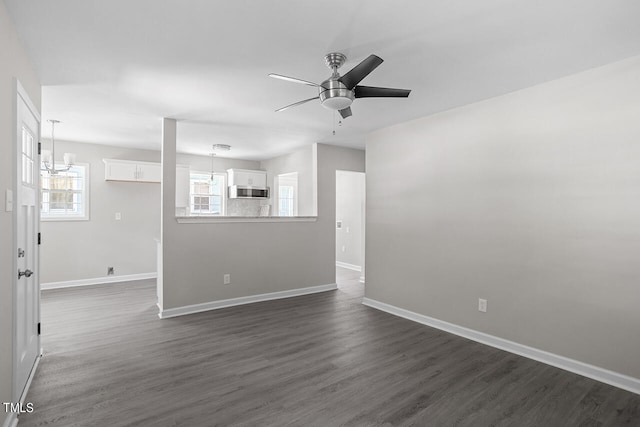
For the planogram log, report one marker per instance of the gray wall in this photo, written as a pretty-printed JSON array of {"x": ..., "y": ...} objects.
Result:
[
  {"x": 530, "y": 200},
  {"x": 75, "y": 250},
  {"x": 261, "y": 257},
  {"x": 300, "y": 161},
  {"x": 14, "y": 63},
  {"x": 350, "y": 200}
]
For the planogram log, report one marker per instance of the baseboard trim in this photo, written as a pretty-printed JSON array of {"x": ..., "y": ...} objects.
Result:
[
  {"x": 606, "y": 376},
  {"x": 11, "y": 420},
  {"x": 348, "y": 266},
  {"x": 214, "y": 305},
  {"x": 97, "y": 281},
  {"x": 12, "y": 417},
  {"x": 32, "y": 374}
]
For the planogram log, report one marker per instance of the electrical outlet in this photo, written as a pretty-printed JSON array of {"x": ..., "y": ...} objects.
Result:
[
  {"x": 109, "y": 271},
  {"x": 344, "y": 249},
  {"x": 118, "y": 216},
  {"x": 482, "y": 305},
  {"x": 227, "y": 279}
]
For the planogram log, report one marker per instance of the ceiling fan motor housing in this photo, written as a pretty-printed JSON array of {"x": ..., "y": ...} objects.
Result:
[{"x": 334, "y": 95}]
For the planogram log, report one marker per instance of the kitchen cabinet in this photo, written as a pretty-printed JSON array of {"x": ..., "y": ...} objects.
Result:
[
  {"x": 132, "y": 171},
  {"x": 247, "y": 178}
]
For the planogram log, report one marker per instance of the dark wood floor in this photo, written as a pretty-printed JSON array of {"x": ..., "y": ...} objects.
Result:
[{"x": 317, "y": 360}]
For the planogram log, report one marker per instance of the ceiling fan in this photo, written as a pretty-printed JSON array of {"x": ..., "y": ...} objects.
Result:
[{"x": 338, "y": 92}]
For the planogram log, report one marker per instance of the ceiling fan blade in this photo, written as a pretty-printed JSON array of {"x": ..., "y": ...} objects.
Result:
[
  {"x": 345, "y": 112},
  {"x": 293, "y": 80},
  {"x": 380, "y": 92},
  {"x": 296, "y": 104},
  {"x": 360, "y": 71}
]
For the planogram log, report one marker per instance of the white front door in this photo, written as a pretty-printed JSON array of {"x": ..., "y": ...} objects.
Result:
[{"x": 27, "y": 214}]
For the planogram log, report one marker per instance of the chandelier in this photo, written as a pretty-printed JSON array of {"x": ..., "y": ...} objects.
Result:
[
  {"x": 220, "y": 147},
  {"x": 49, "y": 157}
]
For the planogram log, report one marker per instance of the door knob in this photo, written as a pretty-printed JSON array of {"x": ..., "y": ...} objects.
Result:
[{"x": 26, "y": 273}]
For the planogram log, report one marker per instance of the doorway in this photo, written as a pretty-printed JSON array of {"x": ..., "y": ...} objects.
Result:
[{"x": 350, "y": 228}]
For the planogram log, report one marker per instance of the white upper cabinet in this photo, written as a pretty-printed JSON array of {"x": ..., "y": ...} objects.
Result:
[
  {"x": 247, "y": 178},
  {"x": 119, "y": 171},
  {"x": 149, "y": 172},
  {"x": 134, "y": 171}
]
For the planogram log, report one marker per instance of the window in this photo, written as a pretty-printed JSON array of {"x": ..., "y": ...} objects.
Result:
[
  {"x": 65, "y": 195},
  {"x": 28, "y": 154},
  {"x": 207, "y": 193},
  {"x": 288, "y": 194}
]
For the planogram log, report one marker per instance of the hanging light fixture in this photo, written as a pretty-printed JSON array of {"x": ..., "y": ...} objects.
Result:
[
  {"x": 214, "y": 147},
  {"x": 49, "y": 157},
  {"x": 212, "y": 156}
]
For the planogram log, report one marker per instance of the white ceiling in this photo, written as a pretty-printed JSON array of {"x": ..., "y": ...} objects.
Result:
[{"x": 111, "y": 69}]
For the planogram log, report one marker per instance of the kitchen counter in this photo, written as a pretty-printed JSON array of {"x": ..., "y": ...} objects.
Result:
[{"x": 229, "y": 219}]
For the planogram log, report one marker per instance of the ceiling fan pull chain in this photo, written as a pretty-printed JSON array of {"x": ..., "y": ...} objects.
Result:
[{"x": 334, "y": 123}]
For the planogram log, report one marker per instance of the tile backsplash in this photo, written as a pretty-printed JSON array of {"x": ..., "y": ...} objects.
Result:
[{"x": 243, "y": 207}]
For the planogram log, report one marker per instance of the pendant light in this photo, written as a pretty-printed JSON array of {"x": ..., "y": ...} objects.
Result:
[
  {"x": 49, "y": 157},
  {"x": 212, "y": 172},
  {"x": 220, "y": 147}
]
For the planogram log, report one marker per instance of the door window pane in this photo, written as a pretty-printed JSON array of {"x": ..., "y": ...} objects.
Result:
[{"x": 28, "y": 151}]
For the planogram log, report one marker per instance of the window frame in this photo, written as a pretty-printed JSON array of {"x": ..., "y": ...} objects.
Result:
[
  {"x": 85, "y": 192},
  {"x": 223, "y": 195}
]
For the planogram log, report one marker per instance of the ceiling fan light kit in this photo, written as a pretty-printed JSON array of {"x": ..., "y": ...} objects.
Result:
[
  {"x": 336, "y": 96},
  {"x": 338, "y": 92}
]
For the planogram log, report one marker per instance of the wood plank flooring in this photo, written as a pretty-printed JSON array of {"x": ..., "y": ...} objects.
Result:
[{"x": 317, "y": 360}]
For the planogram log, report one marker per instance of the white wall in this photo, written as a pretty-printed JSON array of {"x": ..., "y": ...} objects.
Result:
[
  {"x": 350, "y": 200},
  {"x": 14, "y": 63},
  {"x": 261, "y": 257},
  {"x": 220, "y": 164},
  {"x": 300, "y": 161},
  {"x": 530, "y": 200}
]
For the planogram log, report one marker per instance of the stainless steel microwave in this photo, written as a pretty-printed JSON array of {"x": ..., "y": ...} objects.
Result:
[{"x": 243, "y": 192}]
